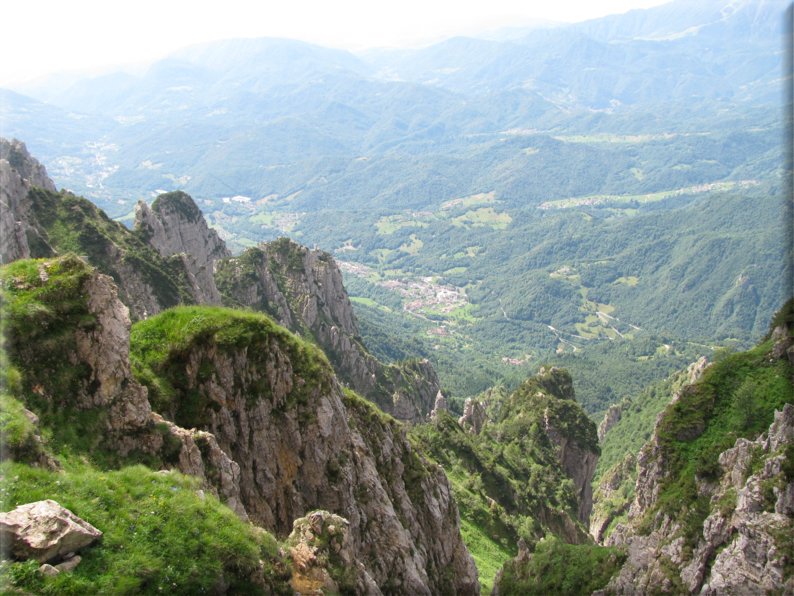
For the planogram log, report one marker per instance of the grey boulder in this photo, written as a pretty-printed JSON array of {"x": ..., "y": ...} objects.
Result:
[{"x": 44, "y": 531}]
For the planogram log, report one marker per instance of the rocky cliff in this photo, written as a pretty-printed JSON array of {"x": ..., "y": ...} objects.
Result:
[
  {"x": 611, "y": 418},
  {"x": 302, "y": 289},
  {"x": 303, "y": 442},
  {"x": 67, "y": 338},
  {"x": 614, "y": 490},
  {"x": 172, "y": 257},
  {"x": 167, "y": 260},
  {"x": 18, "y": 173},
  {"x": 745, "y": 544},
  {"x": 521, "y": 477},
  {"x": 174, "y": 225},
  {"x": 550, "y": 393},
  {"x": 713, "y": 510},
  {"x": 40, "y": 223},
  {"x": 274, "y": 434}
]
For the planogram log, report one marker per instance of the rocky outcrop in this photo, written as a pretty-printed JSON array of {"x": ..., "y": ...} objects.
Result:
[
  {"x": 174, "y": 225},
  {"x": 303, "y": 443},
  {"x": 753, "y": 535},
  {"x": 578, "y": 458},
  {"x": 743, "y": 544},
  {"x": 97, "y": 347},
  {"x": 441, "y": 404},
  {"x": 105, "y": 349},
  {"x": 323, "y": 558},
  {"x": 549, "y": 398},
  {"x": 611, "y": 418},
  {"x": 27, "y": 167},
  {"x": 44, "y": 531},
  {"x": 166, "y": 262},
  {"x": 578, "y": 463},
  {"x": 474, "y": 416},
  {"x": 303, "y": 290},
  {"x": 652, "y": 460},
  {"x": 273, "y": 433},
  {"x": 18, "y": 173}
]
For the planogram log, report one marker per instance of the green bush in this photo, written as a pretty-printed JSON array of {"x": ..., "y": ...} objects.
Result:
[
  {"x": 744, "y": 406},
  {"x": 561, "y": 569}
]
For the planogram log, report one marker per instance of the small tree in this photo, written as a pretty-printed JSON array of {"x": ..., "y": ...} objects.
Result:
[
  {"x": 720, "y": 354},
  {"x": 744, "y": 404}
]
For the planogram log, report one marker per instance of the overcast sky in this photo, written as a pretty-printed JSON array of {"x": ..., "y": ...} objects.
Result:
[{"x": 45, "y": 36}]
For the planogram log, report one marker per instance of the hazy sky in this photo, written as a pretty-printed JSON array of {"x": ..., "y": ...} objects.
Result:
[{"x": 44, "y": 36}]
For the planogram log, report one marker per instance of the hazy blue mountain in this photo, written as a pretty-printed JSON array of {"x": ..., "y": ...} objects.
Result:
[
  {"x": 680, "y": 50},
  {"x": 256, "y": 117},
  {"x": 54, "y": 131},
  {"x": 755, "y": 20}
]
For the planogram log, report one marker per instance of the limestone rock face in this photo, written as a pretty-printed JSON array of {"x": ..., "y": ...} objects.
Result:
[
  {"x": 29, "y": 168},
  {"x": 302, "y": 444},
  {"x": 323, "y": 557},
  {"x": 102, "y": 350},
  {"x": 174, "y": 225},
  {"x": 578, "y": 463},
  {"x": 44, "y": 531},
  {"x": 441, "y": 404},
  {"x": 303, "y": 290},
  {"x": 741, "y": 547},
  {"x": 18, "y": 172},
  {"x": 474, "y": 416},
  {"x": 106, "y": 350},
  {"x": 611, "y": 418},
  {"x": 651, "y": 464}
]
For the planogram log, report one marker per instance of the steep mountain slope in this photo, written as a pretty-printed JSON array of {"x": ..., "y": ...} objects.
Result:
[
  {"x": 713, "y": 480},
  {"x": 171, "y": 258},
  {"x": 626, "y": 428},
  {"x": 291, "y": 439},
  {"x": 303, "y": 444},
  {"x": 522, "y": 476},
  {"x": 18, "y": 172},
  {"x": 303, "y": 290},
  {"x": 709, "y": 495}
]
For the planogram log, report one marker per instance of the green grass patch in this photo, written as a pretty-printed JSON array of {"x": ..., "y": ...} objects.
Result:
[
  {"x": 367, "y": 301},
  {"x": 159, "y": 536},
  {"x": 630, "y": 281},
  {"x": 413, "y": 247},
  {"x": 265, "y": 218},
  {"x": 456, "y": 271},
  {"x": 483, "y": 198},
  {"x": 485, "y": 216},
  {"x": 488, "y": 554}
]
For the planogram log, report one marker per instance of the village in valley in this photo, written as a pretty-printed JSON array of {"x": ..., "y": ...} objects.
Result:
[{"x": 423, "y": 295}]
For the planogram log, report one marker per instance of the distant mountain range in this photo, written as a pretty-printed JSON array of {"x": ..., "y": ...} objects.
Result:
[{"x": 235, "y": 108}]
